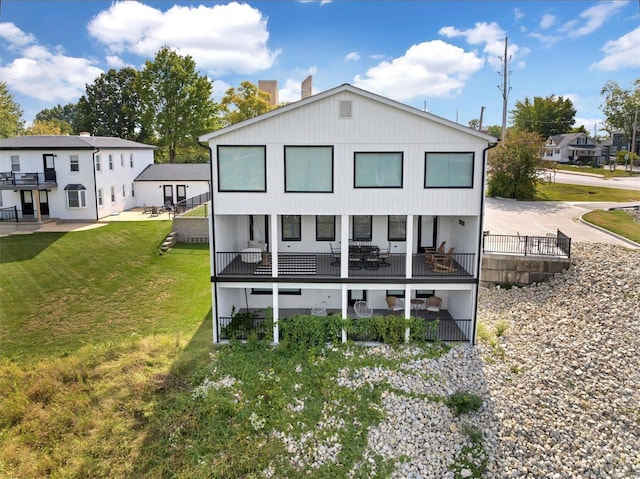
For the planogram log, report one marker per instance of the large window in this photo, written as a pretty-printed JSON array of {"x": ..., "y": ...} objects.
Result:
[
  {"x": 242, "y": 168},
  {"x": 76, "y": 196},
  {"x": 448, "y": 170},
  {"x": 325, "y": 228},
  {"x": 397, "y": 228},
  {"x": 291, "y": 227},
  {"x": 308, "y": 169},
  {"x": 362, "y": 228},
  {"x": 377, "y": 170}
]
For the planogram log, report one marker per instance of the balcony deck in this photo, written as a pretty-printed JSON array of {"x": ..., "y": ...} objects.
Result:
[
  {"x": 14, "y": 180},
  {"x": 319, "y": 266}
]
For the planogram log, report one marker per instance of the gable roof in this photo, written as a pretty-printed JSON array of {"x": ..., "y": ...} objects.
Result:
[
  {"x": 67, "y": 142},
  {"x": 569, "y": 139},
  {"x": 175, "y": 172},
  {"x": 346, "y": 87}
]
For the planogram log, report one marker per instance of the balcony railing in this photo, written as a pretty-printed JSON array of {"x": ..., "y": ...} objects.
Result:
[
  {"x": 16, "y": 179},
  {"x": 257, "y": 265},
  {"x": 550, "y": 245}
]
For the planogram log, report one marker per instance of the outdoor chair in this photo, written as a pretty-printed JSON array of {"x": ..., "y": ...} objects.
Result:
[
  {"x": 362, "y": 309},
  {"x": 430, "y": 254},
  {"x": 335, "y": 255},
  {"x": 383, "y": 256},
  {"x": 371, "y": 260},
  {"x": 154, "y": 211},
  {"x": 395, "y": 304},
  {"x": 433, "y": 304},
  {"x": 444, "y": 262}
]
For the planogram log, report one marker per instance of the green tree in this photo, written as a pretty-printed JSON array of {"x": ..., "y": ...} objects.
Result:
[
  {"x": 620, "y": 107},
  {"x": 244, "y": 103},
  {"x": 513, "y": 166},
  {"x": 63, "y": 116},
  {"x": 547, "y": 116},
  {"x": 111, "y": 106},
  {"x": 474, "y": 124},
  {"x": 48, "y": 127},
  {"x": 10, "y": 113},
  {"x": 176, "y": 102},
  {"x": 495, "y": 130}
]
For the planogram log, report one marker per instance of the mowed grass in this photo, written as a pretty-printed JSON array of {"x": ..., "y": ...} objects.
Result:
[
  {"x": 620, "y": 222},
  {"x": 604, "y": 171},
  {"x": 62, "y": 291},
  {"x": 566, "y": 192}
]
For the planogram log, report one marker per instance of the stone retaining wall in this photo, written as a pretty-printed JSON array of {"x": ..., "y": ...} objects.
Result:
[
  {"x": 519, "y": 270},
  {"x": 191, "y": 229}
]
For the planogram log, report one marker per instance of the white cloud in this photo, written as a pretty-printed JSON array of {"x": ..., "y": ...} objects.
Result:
[
  {"x": 589, "y": 124},
  {"x": 352, "y": 56},
  {"x": 620, "y": 53},
  {"x": 432, "y": 69},
  {"x": 547, "y": 21},
  {"x": 219, "y": 89},
  {"x": 115, "y": 61},
  {"x": 517, "y": 13},
  {"x": 593, "y": 17},
  {"x": 547, "y": 40},
  {"x": 221, "y": 38},
  {"x": 15, "y": 37}
]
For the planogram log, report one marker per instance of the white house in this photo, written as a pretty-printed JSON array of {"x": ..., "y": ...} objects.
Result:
[
  {"x": 69, "y": 177},
  {"x": 171, "y": 183},
  {"x": 334, "y": 199},
  {"x": 574, "y": 147}
]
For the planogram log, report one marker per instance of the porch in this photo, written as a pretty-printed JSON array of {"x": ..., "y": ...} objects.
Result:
[{"x": 15, "y": 180}]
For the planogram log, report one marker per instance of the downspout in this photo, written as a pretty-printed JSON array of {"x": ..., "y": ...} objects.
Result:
[
  {"x": 95, "y": 182},
  {"x": 480, "y": 238},
  {"x": 212, "y": 252}
]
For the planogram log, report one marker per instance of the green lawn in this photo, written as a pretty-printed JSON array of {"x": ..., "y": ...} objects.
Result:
[
  {"x": 604, "y": 171},
  {"x": 566, "y": 192},
  {"x": 619, "y": 222}
]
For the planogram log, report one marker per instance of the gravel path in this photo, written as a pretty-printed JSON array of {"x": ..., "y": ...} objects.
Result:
[{"x": 561, "y": 387}]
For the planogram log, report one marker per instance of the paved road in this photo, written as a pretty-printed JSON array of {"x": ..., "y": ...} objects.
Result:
[{"x": 541, "y": 217}]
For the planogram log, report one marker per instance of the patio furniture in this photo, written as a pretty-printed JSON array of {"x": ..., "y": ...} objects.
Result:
[
  {"x": 154, "y": 211},
  {"x": 433, "y": 304},
  {"x": 362, "y": 309},
  {"x": 444, "y": 262},
  {"x": 383, "y": 256},
  {"x": 319, "y": 310},
  {"x": 395, "y": 304},
  {"x": 416, "y": 303},
  {"x": 371, "y": 259},
  {"x": 251, "y": 255},
  {"x": 335, "y": 255},
  {"x": 430, "y": 254}
]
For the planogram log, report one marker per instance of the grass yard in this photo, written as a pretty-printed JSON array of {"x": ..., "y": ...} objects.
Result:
[
  {"x": 566, "y": 192},
  {"x": 107, "y": 371},
  {"x": 604, "y": 171},
  {"x": 620, "y": 222}
]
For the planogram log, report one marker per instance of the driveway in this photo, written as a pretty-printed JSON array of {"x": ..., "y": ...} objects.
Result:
[{"x": 538, "y": 218}]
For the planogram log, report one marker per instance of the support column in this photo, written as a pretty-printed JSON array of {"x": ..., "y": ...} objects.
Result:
[
  {"x": 345, "y": 313},
  {"x": 276, "y": 313},
  {"x": 35, "y": 196},
  {"x": 344, "y": 246},
  {"x": 273, "y": 241},
  {"x": 409, "y": 255}
]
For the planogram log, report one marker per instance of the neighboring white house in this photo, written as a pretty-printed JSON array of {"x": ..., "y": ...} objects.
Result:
[
  {"x": 170, "y": 183},
  {"x": 572, "y": 147},
  {"x": 308, "y": 198},
  {"x": 69, "y": 177}
]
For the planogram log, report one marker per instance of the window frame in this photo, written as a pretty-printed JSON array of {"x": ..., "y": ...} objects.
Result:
[
  {"x": 353, "y": 228},
  {"x": 282, "y": 228},
  {"x": 74, "y": 160},
  {"x": 281, "y": 291},
  {"x": 264, "y": 164},
  {"x": 426, "y": 169},
  {"x": 124, "y": 190},
  {"x": 355, "y": 169},
  {"x": 98, "y": 163},
  {"x": 333, "y": 222},
  {"x": 110, "y": 162},
  {"x": 113, "y": 195},
  {"x": 396, "y": 238},
  {"x": 81, "y": 199},
  {"x": 131, "y": 160},
  {"x": 15, "y": 165},
  {"x": 286, "y": 187}
]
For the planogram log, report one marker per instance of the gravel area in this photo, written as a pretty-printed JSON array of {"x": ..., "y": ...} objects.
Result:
[{"x": 561, "y": 386}]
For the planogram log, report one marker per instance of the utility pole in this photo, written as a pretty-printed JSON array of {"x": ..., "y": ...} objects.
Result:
[
  {"x": 481, "y": 115},
  {"x": 505, "y": 89}
]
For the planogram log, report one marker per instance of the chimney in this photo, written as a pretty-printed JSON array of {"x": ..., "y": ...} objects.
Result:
[
  {"x": 306, "y": 90},
  {"x": 270, "y": 87},
  {"x": 84, "y": 133}
]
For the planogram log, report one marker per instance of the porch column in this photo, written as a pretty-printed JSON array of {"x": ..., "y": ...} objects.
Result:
[
  {"x": 273, "y": 241},
  {"x": 407, "y": 310},
  {"x": 344, "y": 247},
  {"x": 214, "y": 313},
  {"x": 36, "y": 206},
  {"x": 276, "y": 312},
  {"x": 409, "y": 255},
  {"x": 345, "y": 305}
]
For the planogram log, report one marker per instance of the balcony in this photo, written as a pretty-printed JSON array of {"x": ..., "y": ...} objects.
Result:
[
  {"x": 15, "y": 180},
  {"x": 257, "y": 266}
]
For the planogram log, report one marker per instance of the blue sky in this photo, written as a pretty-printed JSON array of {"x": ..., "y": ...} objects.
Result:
[{"x": 444, "y": 56}]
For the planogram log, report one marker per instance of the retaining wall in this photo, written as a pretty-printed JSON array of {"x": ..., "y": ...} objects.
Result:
[
  {"x": 519, "y": 270},
  {"x": 191, "y": 229}
]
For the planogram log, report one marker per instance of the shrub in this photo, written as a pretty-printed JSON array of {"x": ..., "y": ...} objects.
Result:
[{"x": 462, "y": 402}]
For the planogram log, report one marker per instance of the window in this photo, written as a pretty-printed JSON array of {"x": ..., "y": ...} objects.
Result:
[
  {"x": 397, "y": 228},
  {"x": 362, "y": 227},
  {"x": 15, "y": 163},
  {"x": 291, "y": 228},
  {"x": 448, "y": 170},
  {"x": 0, "y": 197},
  {"x": 242, "y": 168},
  {"x": 133, "y": 190},
  {"x": 378, "y": 170},
  {"x": 74, "y": 162},
  {"x": 113, "y": 194},
  {"x": 325, "y": 228},
  {"x": 308, "y": 169},
  {"x": 124, "y": 190},
  {"x": 398, "y": 293},
  {"x": 98, "y": 164},
  {"x": 121, "y": 160},
  {"x": 345, "y": 109},
  {"x": 131, "y": 160},
  {"x": 76, "y": 196},
  {"x": 111, "y": 162},
  {"x": 100, "y": 197},
  {"x": 425, "y": 293},
  {"x": 281, "y": 291}
]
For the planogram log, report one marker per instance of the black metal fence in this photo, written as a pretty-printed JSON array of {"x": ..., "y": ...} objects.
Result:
[
  {"x": 550, "y": 245},
  {"x": 9, "y": 214},
  {"x": 16, "y": 178},
  {"x": 192, "y": 203}
]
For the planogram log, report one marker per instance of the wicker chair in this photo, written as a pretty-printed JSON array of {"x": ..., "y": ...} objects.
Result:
[{"x": 362, "y": 309}]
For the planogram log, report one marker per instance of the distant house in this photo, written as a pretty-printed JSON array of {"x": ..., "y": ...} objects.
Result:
[
  {"x": 69, "y": 177},
  {"x": 170, "y": 183},
  {"x": 572, "y": 148}
]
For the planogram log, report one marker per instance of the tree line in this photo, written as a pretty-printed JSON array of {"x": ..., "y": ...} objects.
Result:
[{"x": 167, "y": 103}]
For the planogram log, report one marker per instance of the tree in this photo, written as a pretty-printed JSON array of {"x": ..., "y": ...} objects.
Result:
[
  {"x": 495, "y": 130},
  {"x": 64, "y": 116},
  {"x": 545, "y": 116},
  {"x": 245, "y": 103},
  {"x": 49, "y": 127},
  {"x": 176, "y": 102},
  {"x": 111, "y": 106},
  {"x": 474, "y": 124},
  {"x": 10, "y": 113},
  {"x": 620, "y": 107},
  {"x": 514, "y": 166}
]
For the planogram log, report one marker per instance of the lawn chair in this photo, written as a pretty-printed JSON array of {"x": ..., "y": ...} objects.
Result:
[
  {"x": 335, "y": 255},
  {"x": 430, "y": 254},
  {"x": 395, "y": 304},
  {"x": 154, "y": 211},
  {"x": 444, "y": 262},
  {"x": 362, "y": 309}
]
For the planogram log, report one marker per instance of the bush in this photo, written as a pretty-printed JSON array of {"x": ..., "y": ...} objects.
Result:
[{"x": 463, "y": 402}]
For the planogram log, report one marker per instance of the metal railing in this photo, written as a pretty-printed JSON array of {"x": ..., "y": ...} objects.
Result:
[
  {"x": 16, "y": 178},
  {"x": 192, "y": 203},
  {"x": 551, "y": 245},
  {"x": 9, "y": 214}
]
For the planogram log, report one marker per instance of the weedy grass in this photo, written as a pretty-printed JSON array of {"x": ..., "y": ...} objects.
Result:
[
  {"x": 619, "y": 222},
  {"x": 566, "y": 192}
]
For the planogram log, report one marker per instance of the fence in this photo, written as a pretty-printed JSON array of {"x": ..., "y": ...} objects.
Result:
[
  {"x": 192, "y": 203},
  {"x": 9, "y": 214},
  {"x": 550, "y": 245}
]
